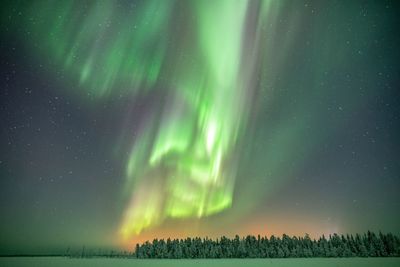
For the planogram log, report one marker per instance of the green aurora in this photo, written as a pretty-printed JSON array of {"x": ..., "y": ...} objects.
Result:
[{"x": 183, "y": 163}]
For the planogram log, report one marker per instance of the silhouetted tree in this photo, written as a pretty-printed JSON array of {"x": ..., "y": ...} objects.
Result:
[{"x": 366, "y": 245}]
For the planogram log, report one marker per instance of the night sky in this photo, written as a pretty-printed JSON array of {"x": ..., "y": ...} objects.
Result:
[{"x": 123, "y": 121}]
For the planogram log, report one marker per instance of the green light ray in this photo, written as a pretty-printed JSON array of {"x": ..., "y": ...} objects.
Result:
[
  {"x": 194, "y": 141},
  {"x": 183, "y": 164},
  {"x": 103, "y": 44}
]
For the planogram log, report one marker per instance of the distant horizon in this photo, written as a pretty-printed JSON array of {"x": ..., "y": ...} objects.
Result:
[{"x": 107, "y": 249}]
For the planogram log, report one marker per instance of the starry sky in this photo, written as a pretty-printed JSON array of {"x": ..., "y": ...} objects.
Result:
[{"x": 123, "y": 121}]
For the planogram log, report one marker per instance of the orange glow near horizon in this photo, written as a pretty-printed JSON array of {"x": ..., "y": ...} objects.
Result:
[{"x": 276, "y": 225}]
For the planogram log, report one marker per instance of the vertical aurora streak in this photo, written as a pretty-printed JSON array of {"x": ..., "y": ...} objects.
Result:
[
  {"x": 183, "y": 163},
  {"x": 187, "y": 170}
]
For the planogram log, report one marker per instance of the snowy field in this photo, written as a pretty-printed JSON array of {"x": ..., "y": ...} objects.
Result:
[{"x": 103, "y": 262}]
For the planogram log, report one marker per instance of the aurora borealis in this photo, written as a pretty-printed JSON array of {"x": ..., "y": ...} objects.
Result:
[
  {"x": 184, "y": 163},
  {"x": 128, "y": 120}
]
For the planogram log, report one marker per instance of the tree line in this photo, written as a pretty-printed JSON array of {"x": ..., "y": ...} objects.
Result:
[{"x": 366, "y": 245}]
